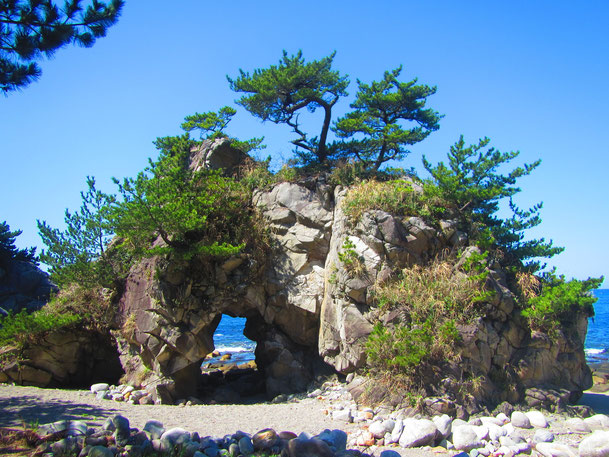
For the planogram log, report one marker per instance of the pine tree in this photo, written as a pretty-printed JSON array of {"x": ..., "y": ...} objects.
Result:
[
  {"x": 380, "y": 109},
  {"x": 472, "y": 189},
  {"x": 10, "y": 252},
  {"x": 79, "y": 254},
  {"x": 280, "y": 93},
  {"x": 33, "y": 28}
]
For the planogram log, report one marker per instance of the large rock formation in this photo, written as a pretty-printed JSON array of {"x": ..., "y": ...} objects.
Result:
[
  {"x": 302, "y": 306},
  {"x": 23, "y": 286},
  {"x": 306, "y": 311},
  {"x": 70, "y": 357}
]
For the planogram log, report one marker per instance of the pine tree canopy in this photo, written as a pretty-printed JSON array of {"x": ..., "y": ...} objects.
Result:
[
  {"x": 279, "y": 93},
  {"x": 8, "y": 250},
  {"x": 380, "y": 109},
  {"x": 35, "y": 28}
]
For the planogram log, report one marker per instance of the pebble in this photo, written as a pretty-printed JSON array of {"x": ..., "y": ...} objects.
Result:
[
  {"x": 556, "y": 450},
  {"x": 342, "y": 415},
  {"x": 597, "y": 422},
  {"x": 99, "y": 387},
  {"x": 537, "y": 419},
  {"x": 543, "y": 436},
  {"x": 418, "y": 432},
  {"x": 245, "y": 446},
  {"x": 465, "y": 438},
  {"x": 576, "y": 424},
  {"x": 398, "y": 428},
  {"x": 443, "y": 424},
  {"x": 520, "y": 420},
  {"x": 595, "y": 445},
  {"x": 484, "y": 436}
]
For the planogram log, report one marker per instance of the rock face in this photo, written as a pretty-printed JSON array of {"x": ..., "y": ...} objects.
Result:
[
  {"x": 65, "y": 358},
  {"x": 62, "y": 358},
  {"x": 23, "y": 286},
  {"x": 306, "y": 309},
  {"x": 303, "y": 305}
]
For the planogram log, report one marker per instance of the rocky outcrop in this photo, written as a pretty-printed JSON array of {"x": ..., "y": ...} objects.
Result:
[
  {"x": 69, "y": 357},
  {"x": 303, "y": 304},
  {"x": 308, "y": 304},
  {"x": 23, "y": 286}
]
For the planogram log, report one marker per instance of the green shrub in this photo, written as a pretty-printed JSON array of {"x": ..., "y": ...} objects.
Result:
[
  {"x": 353, "y": 263},
  {"x": 287, "y": 173},
  {"x": 398, "y": 351},
  {"x": 431, "y": 301},
  {"x": 23, "y": 327},
  {"x": 558, "y": 301},
  {"x": 93, "y": 304}
]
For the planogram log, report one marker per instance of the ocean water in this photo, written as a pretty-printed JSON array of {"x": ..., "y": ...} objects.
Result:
[
  {"x": 597, "y": 340},
  {"x": 229, "y": 337}
]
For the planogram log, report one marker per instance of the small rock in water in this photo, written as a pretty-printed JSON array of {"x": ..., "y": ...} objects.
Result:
[{"x": 520, "y": 420}]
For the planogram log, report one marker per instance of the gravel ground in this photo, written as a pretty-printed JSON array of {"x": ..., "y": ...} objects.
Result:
[
  {"x": 20, "y": 405},
  {"x": 32, "y": 405}
]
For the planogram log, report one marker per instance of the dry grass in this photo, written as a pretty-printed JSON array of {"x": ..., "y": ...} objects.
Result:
[
  {"x": 396, "y": 197},
  {"x": 436, "y": 291},
  {"x": 528, "y": 284},
  {"x": 93, "y": 304},
  {"x": 15, "y": 442},
  {"x": 430, "y": 301}
]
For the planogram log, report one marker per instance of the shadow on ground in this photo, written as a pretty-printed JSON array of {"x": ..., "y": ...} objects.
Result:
[
  {"x": 28, "y": 410},
  {"x": 597, "y": 401}
]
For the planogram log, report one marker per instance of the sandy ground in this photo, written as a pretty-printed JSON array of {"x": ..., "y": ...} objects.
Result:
[
  {"x": 20, "y": 405},
  {"x": 31, "y": 405}
]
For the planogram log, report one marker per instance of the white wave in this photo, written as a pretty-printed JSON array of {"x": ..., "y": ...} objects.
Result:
[
  {"x": 233, "y": 349},
  {"x": 593, "y": 351}
]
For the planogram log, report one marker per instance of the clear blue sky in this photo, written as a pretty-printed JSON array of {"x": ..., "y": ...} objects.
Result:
[{"x": 532, "y": 76}]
